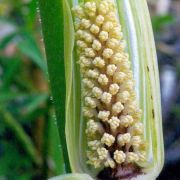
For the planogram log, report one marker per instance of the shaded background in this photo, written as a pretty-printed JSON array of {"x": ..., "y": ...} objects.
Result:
[{"x": 28, "y": 136}]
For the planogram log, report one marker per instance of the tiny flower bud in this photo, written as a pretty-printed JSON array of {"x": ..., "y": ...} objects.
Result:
[
  {"x": 111, "y": 69},
  {"x": 117, "y": 108},
  {"x": 94, "y": 29},
  {"x": 107, "y": 139},
  {"x": 103, "y": 80},
  {"x": 99, "y": 20},
  {"x": 114, "y": 122},
  {"x": 97, "y": 92},
  {"x": 103, "y": 115},
  {"x": 119, "y": 156},
  {"x": 131, "y": 157},
  {"x": 102, "y": 153},
  {"x": 123, "y": 139},
  {"x": 107, "y": 53},
  {"x": 106, "y": 98},
  {"x": 96, "y": 45},
  {"x": 114, "y": 88},
  {"x": 103, "y": 36},
  {"x": 99, "y": 62}
]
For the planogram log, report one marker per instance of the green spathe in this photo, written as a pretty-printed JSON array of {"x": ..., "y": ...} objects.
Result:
[
  {"x": 135, "y": 20},
  {"x": 65, "y": 79}
]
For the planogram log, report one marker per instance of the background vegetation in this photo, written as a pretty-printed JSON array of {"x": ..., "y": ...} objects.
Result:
[{"x": 29, "y": 144}]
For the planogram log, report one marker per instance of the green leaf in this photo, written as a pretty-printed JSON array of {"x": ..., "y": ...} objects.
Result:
[
  {"x": 28, "y": 46},
  {"x": 159, "y": 21},
  {"x": 11, "y": 69},
  {"x": 52, "y": 25},
  {"x": 6, "y": 96},
  {"x": 21, "y": 135},
  {"x": 22, "y": 165},
  {"x": 34, "y": 103},
  {"x": 8, "y": 39}
]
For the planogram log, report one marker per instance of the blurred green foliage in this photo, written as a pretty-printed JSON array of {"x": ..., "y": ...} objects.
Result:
[
  {"x": 159, "y": 21},
  {"x": 29, "y": 141}
]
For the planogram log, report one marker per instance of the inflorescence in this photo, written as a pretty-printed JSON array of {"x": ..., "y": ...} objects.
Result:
[{"x": 114, "y": 131}]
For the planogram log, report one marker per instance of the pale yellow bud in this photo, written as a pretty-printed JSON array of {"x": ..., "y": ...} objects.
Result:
[
  {"x": 97, "y": 92},
  {"x": 123, "y": 96},
  {"x": 99, "y": 62},
  {"x": 106, "y": 98},
  {"x": 102, "y": 153},
  {"x": 103, "y": 80},
  {"x": 78, "y": 11},
  {"x": 99, "y": 20},
  {"x": 107, "y": 53},
  {"x": 85, "y": 23},
  {"x": 112, "y": 43},
  {"x": 93, "y": 128},
  {"x": 86, "y": 62},
  {"x": 108, "y": 139},
  {"x": 91, "y": 102},
  {"x": 117, "y": 108},
  {"x": 89, "y": 52},
  {"x": 131, "y": 157},
  {"x": 111, "y": 16},
  {"x": 117, "y": 58},
  {"x": 79, "y": 34},
  {"x": 116, "y": 33},
  {"x": 103, "y": 36},
  {"x": 119, "y": 156},
  {"x": 137, "y": 129},
  {"x": 126, "y": 120},
  {"x": 88, "y": 83},
  {"x": 81, "y": 44},
  {"x": 88, "y": 112},
  {"x": 94, "y": 144},
  {"x": 123, "y": 139},
  {"x": 114, "y": 88},
  {"x": 96, "y": 45},
  {"x": 103, "y": 7},
  {"x": 114, "y": 122},
  {"x": 92, "y": 73},
  {"x": 119, "y": 77},
  {"x": 103, "y": 115},
  {"x": 111, "y": 69},
  {"x": 94, "y": 29},
  {"x": 107, "y": 26},
  {"x": 136, "y": 141},
  {"x": 90, "y": 8}
]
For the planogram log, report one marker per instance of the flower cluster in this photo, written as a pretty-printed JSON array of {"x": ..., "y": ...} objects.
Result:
[{"x": 114, "y": 131}]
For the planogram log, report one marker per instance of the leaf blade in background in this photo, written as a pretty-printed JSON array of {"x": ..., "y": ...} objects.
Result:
[
  {"x": 12, "y": 68},
  {"x": 27, "y": 45},
  {"x": 21, "y": 135},
  {"x": 35, "y": 102},
  {"x": 158, "y": 22}
]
